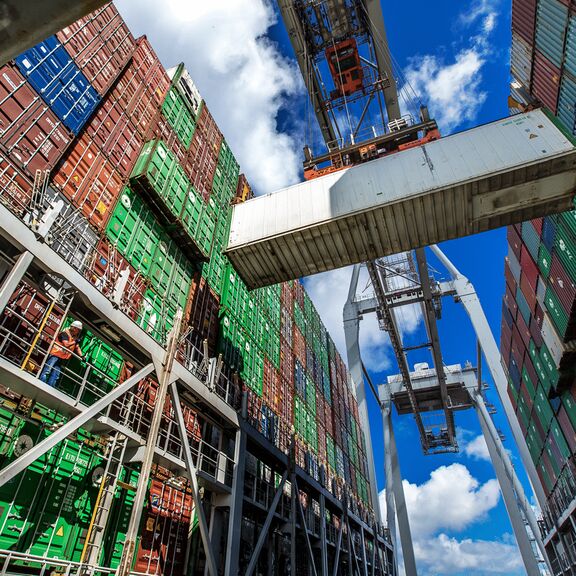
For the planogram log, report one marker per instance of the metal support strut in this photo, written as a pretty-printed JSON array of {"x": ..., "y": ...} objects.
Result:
[
  {"x": 512, "y": 490},
  {"x": 395, "y": 487},
  {"x": 165, "y": 378},
  {"x": 467, "y": 296},
  {"x": 20, "y": 464}
]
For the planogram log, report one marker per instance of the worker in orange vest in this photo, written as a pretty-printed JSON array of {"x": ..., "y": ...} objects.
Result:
[{"x": 66, "y": 344}]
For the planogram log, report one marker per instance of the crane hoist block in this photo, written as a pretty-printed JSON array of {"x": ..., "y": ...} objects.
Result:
[{"x": 497, "y": 174}]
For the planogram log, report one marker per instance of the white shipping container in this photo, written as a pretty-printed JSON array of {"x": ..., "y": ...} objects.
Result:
[
  {"x": 552, "y": 340},
  {"x": 508, "y": 171}
]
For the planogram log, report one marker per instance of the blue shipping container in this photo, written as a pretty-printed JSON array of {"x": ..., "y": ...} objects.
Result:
[
  {"x": 60, "y": 83},
  {"x": 549, "y": 232}
]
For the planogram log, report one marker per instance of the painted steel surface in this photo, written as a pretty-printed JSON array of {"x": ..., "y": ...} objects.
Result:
[{"x": 503, "y": 172}]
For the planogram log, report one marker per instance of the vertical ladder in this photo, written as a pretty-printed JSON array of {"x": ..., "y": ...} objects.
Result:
[{"x": 110, "y": 480}]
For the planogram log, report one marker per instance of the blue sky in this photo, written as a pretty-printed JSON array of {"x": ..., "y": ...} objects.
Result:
[{"x": 455, "y": 55}]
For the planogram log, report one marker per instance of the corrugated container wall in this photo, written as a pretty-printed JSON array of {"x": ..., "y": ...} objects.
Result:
[
  {"x": 146, "y": 179},
  {"x": 538, "y": 319}
]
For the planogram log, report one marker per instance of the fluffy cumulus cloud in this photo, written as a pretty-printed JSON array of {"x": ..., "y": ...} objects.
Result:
[
  {"x": 452, "y": 499},
  {"x": 452, "y": 85},
  {"x": 449, "y": 502},
  {"x": 477, "y": 449},
  {"x": 242, "y": 75}
]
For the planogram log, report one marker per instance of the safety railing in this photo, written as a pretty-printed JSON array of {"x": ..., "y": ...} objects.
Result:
[
  {"x": 101, "y": 264},
  {"x": 132, "y": 410},
  {"x": 564, "y": 564},
  {"x": 561, "y": 498},
  {"x": 17, "y": 563}
]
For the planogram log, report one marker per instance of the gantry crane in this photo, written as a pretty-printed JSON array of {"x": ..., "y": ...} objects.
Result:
[{"x": 327, "y": 36}]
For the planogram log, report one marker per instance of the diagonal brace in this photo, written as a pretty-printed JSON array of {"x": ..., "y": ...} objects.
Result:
[
  {"x": 338, "y": 549},
  {"x": 191, "y": 470},
  {"x": 20, "y": 464},
  {"x": 266, "y": 527},
  {"x": 308, "y": 543}
]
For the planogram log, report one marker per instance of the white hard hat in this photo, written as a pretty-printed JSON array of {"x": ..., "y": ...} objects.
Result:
[{"x": 76, "y": 324}]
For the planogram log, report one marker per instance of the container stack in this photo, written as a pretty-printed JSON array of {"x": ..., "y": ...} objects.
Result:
[
  {"x": 91, "y": 118},
  {"x": 539, "y": 314},
  {"x": 543, "y": 57},
  {"x": 537, "y": 322}
]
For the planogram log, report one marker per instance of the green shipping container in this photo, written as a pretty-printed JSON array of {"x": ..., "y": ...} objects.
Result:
[
  {"x": 46, "y": 509},
  {"x": 134, "y": 231},
  {"x": 179, "y": 117},
  {"x": 556, "y": 311},
  {"x": 544, "y": 261},
  {"x": 565, "y": 248}
]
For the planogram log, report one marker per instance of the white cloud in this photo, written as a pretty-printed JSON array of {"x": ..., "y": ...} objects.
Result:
[
  {"x": 451, "y": 87},
  {"x": 477, "y": 449},
  {"x": 451, "y": 90},
  {"x": 241, "y": 74},
  {"x": 452, "y": 500},
  {"x": 447, "y": 555}
]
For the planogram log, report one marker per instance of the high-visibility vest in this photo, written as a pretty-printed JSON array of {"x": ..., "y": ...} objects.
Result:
[{"x": 64, "y": 351}]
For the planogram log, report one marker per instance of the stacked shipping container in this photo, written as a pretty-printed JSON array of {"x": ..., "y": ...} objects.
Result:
[
  {"x": 538, "y": 319},
  {"x": 90, "y": 117}
]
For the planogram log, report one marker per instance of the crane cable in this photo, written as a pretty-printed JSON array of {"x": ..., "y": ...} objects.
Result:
[{"x": 412, "y": 101}]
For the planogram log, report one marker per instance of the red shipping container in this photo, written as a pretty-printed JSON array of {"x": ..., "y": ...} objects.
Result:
[
  {"x": 529, "y": 267},
  {"x": 287, "y": 297},
  {"x": 150, "y": 69},
  {"x": 89, "y": 181},
  {"x": 15, "y": 187},
  {"x": 545, "y": 81},
  {"x": 209, "y": 131},
  {"x": 107, "y": 274},
  {"x": 286, "y": 361},
  {"x": 529, "y": 292},
  {"x": 542, "y": 477},
  {"x": 536, "y": 331},
  {"x": 101, "y": 44},
  {"x": 537, "y": 223},
  {"x": 164, "y": 538},
  {"x": 271, "y": 386},
  {"x": 30, "y": 132},
  {"x": 22, "y": 318},
  {"x": 505, "y": 330},
  {"x": 200, "y": 164},
  {"x": 539, "y": 315},
  {"x": 542, "y": 431},
  {"x": 523, "y": 330},
  {"x": 510, "y": 301},
  {"x": 524, "y": 19},
  {"x": 204, "y": 315},
  {"x": 133, "y": 97},
  {"x": 114, "y": 133},
  {"x": 531, "y": 371},
  {"x": 514, "y": 240},
  {"x": 517, "y": 349},
  {"x": 510, "y": 281},
  {"x": 329, "y": 419},
  {"x": 563, "y": 286}
]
